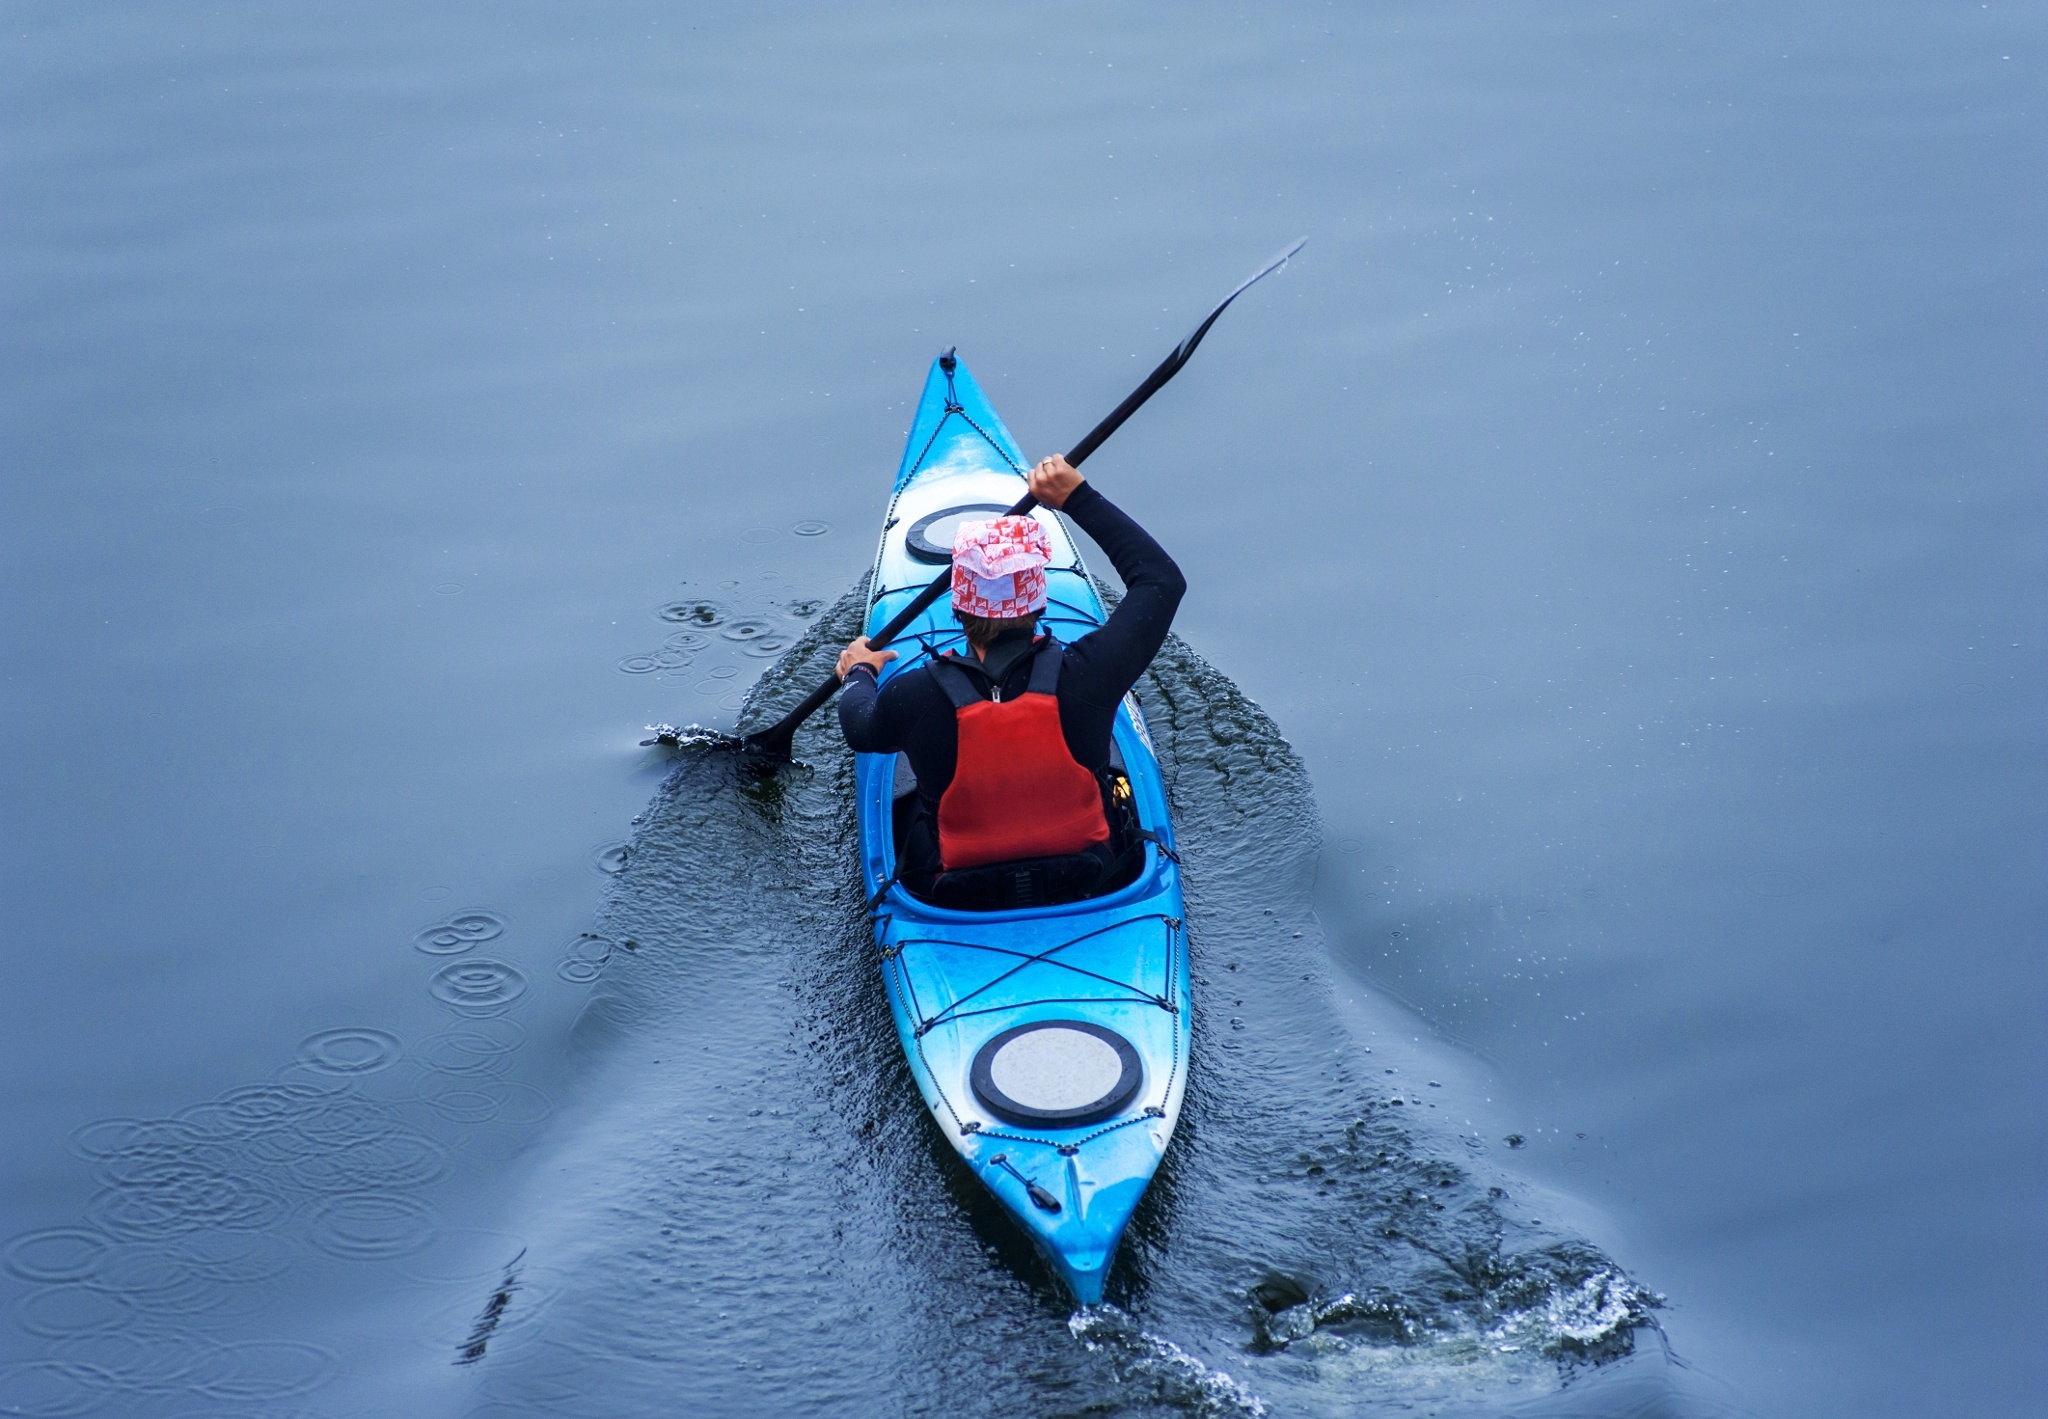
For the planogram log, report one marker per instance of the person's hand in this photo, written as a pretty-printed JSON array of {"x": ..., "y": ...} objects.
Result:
[
  {"x": 859, "y": 654},
  {"x": 1053, "y": 481}
]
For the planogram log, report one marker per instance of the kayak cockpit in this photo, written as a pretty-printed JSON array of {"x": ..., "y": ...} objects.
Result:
[{"x": 1033, "y": 882}]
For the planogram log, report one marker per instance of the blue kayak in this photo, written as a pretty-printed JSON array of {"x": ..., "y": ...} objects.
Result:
[{"x": 1050, "y": 1043}]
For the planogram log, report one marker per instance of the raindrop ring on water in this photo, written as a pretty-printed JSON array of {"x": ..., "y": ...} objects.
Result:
[
  {"x": 484, "y": 1100},
  {"x": 811, "y": 527},
  {"x": 459, "y": 933},
  {"x": 70, "y": 1310},
  {"x": 298, "y": 1071},
  {"x": 583, "y": 959},
  {"x": 367, "y": 1226},
  {"x": 611, "y": 858},
  {"x": 693, "y": 613},
  {"x": 103, "y": 1138},
  {"x": 350, "y": 1049},
  {"x": 161, "y": 1281},
  {"x": 235, "y": 1259},
  {"x": 384, "y": 1163},
  {"x": 140, "y": 1364},
  {"x": 211, "y": 1122},
  {"x": 686, "y": 640},
  {"x": 461, "y": 1105},
  {"x": 168, "y": 1167},
  {"x": 588, "y": 947},
  {"x": 58, "y": 1254},
  {"x": 752, "y": 628},
  {"x": 474, "y": 1048},
  {"x": 639, "y": 665},
  {"x": 342, "y": 1120},
  {"x": 481, "y": 987},
  {"x": 52, "y": 1389},
  {"x": 257, "y": 1106},
  {"x": 189, "y": 1200}
]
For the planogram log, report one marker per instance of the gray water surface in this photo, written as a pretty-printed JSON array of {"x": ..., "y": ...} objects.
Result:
[{"x": 1628, "y": 509}]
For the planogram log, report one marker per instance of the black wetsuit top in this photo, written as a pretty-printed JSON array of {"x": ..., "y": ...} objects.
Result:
[{"x": 914, "y": 716}]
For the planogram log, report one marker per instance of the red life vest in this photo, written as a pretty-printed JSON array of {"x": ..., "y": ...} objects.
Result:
[{"x": 1017, "y": 791}]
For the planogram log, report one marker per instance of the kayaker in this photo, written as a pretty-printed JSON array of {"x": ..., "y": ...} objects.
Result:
[{"x": 1010, "y": 742}]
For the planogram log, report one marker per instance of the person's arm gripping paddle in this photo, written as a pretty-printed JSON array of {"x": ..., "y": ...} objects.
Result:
[
  {"x": 1102, "y": 665},
  {"x": 858, "y": 654},
  {"x": 869, "y": 729}
]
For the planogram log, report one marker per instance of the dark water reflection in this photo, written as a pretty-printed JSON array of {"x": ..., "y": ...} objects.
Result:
[{"x": 1628, "y": 507}]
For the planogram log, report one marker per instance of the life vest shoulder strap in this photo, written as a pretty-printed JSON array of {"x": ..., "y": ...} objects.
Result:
[
  {"x": 965, "y": 685},
  {"x": 1045, "y": 668},
  {"x": 960, "y": 686}
]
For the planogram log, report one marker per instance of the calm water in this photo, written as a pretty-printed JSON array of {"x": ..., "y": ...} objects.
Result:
[{"x": 1628, "y": 509}]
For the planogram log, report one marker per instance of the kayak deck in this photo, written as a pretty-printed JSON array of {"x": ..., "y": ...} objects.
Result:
[{"x": 1115, "y": 965}]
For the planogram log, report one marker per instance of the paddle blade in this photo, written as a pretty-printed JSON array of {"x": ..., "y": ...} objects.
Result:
[
  {"x": 1278, "y": 263},
  {"x": 778, "y": 740},
  {"x": 1171, "y": 365}
]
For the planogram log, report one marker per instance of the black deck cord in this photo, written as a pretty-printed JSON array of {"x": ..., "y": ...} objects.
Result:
[
  {"x": 948, "y": 363},
  {"x": 1037, "y": 958},
  {"x": 1139, "y": 837},
  {"x": 883, "y": 890}
]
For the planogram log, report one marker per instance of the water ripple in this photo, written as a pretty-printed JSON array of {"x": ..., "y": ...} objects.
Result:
[
  {"x": 51, "y": 1389},
  {"x": 478, "y": 987},
  {"x": 363, "y": 1226},
  {"x": 58, "y": 1254},
  {"x": 459, "y": 933},
  {"x": 694, "y": 613},
  {"x": 350, "y": 1049}
]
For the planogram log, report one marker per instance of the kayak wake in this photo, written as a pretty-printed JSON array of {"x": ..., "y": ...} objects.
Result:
[{"x": 749, "y": 1129}]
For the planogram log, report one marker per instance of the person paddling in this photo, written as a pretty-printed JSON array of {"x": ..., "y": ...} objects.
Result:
[{"x": 1010, "y": 742}]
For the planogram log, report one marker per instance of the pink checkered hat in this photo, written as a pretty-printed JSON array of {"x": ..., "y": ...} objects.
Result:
[{"x": 999, "y": 567}]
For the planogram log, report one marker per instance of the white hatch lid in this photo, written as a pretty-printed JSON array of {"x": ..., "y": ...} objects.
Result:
[{"x": 1057, "y": 1072}]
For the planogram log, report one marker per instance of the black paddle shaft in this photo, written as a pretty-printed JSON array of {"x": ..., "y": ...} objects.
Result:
[{"x": 777, "y": 739}]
